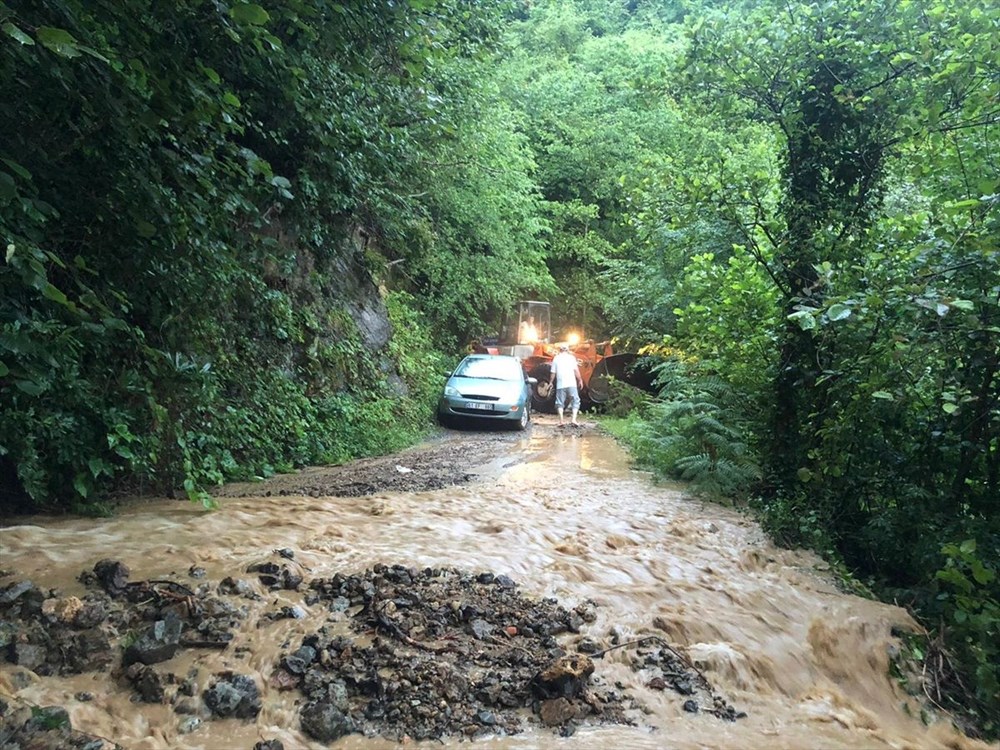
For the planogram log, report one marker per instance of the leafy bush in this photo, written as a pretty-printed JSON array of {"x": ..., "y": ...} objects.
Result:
[
  {"x": 969, "y": 605},
  {"x": 691, "y": 432}
]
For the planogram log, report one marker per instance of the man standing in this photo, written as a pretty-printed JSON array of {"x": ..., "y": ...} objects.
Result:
[{"x": 565, "y": 374}]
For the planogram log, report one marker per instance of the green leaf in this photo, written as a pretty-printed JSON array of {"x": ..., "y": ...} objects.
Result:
[
  {"x": 967, "y": 547},
  {"x": 7, "y": 187},
  {"x": 804, "y": 318},
  {"x": 884, "y": 395},
  {"x": 29, "y": 387},
  {"x": 145, "y": 229},
  {"x": 81, "y": 485},
  {"x": 16, "y": 34},
  {"x": 53, "y": 293},
  {"x": 93, "y": 53},
  {"x": 4, "y": 370},
  {"x": 231, "y": 99},
  {"x": 970, "y": 203},
  {"x": 59, "y": 41},
  {"x": 962, "y": 304},
  {"x": 982, "y": 574},
  {"x": 280, "y": 182},
  {"x": 949, "y": 408},
  {"x": 803, "y": 474},
  {"x": 17, "y": 169},
  {"x": 250, "y": 13},
  {"x": 838, "y": 312}
]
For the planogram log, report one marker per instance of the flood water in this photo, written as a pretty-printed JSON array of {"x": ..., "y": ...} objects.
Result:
[{"x": 807, "y": 663}]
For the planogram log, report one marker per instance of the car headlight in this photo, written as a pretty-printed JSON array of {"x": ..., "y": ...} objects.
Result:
[{"x": 452, "y": 391}]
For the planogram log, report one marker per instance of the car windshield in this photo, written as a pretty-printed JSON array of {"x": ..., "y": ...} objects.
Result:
[{"x": 493, "y": 369}]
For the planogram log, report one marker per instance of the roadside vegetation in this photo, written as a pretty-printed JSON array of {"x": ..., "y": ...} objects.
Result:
[{"x": 204, "y": 207}]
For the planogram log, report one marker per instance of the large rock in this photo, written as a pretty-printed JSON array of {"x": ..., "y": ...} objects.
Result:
[
  {"x": 27, "y": 655},
  {"x": 234, "y": 695},
  {"x": 147, "y": 683},
  {"x": 88, "y": 651},
  {"x": 563, "y": 678},
  {"x": 156, "y": 644},
  {"x": 112, "y": 575},
  {"x": 15, "y": 591},
  {"x": 325, "y": 722},
  {"x": 62, "y": 610}
]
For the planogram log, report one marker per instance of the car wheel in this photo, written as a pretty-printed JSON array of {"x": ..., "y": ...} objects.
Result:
[
  {"x": 525, "y": 420},
  {"x": 445, "y": 420}
]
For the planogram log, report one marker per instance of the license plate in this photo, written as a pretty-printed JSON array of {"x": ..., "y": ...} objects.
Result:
[{"x": 476, "y": 405}]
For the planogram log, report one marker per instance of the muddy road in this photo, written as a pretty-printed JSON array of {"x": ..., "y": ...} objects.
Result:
[{"x": 557, "y": 512}]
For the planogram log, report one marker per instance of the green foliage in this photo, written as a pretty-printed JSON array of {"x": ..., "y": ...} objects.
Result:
[
  {"x": 877, "y": 238},
  {"x": 185, "y": 193},
  {"x": 421, "y": 366},
  {"x": 968, "y": 601},
  {"x": 692, "y": 432},
  {"x": 47, "y": 719},
  {"x": 807, "y": 203}
]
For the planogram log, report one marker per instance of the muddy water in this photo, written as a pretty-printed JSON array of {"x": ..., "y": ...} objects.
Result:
[{"x": 808, "y": 664}]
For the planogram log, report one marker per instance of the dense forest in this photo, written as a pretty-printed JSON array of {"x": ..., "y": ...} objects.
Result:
[{"x": 242, "y": 237}]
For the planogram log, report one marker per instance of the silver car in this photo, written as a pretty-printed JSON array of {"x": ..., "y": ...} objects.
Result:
[{"x": 487, "y": 387}]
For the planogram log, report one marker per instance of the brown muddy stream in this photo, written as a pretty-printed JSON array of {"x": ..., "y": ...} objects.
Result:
[{"x": 563, "y": 515}]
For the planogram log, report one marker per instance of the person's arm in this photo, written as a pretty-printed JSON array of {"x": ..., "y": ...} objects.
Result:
[{"x": 579, "y": 377}]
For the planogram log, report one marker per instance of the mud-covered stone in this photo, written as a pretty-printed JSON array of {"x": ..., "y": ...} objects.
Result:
[
  {"x": 27, "y": 655},
  {"x": 147, "y": 683},
  {"x": 324, "y": 721},
  {"x": 15, "y": 591},
  {"x": 157, "y": 643},
  {"x": 8, "y": 631},
  {"x": 88, "y": 651},
  {"x": 237, "y": 587},
  {"x": 276, "y": 576},
  {"x": 556, "y": 711},
  {"x": 233, "y": 695},
  {"x": 298, "y": 662},
  {"x": 187, "y": 706},
  {"x": 563, "y": 678},
  {"x": 62, "y": 610},
  {"x": 112, "y": 575},
  {"x": 91, "y": 614}
]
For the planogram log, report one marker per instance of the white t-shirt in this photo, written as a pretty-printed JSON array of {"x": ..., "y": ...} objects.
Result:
[{"x": 564, "y": 365}]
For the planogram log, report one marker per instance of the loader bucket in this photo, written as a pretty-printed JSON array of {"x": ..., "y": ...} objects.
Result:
[{"x": 626, "y": 368}]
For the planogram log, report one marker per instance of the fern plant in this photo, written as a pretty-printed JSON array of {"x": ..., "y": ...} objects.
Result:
[{"x": 693, "y": 432}]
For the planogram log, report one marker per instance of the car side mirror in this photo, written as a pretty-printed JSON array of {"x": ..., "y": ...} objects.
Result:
[
  {"x": 531, "y": 381},
  {"x": 447, "y": 374}
]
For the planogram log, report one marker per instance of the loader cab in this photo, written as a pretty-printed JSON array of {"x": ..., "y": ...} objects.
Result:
[{"x": 526, "y": 325}]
